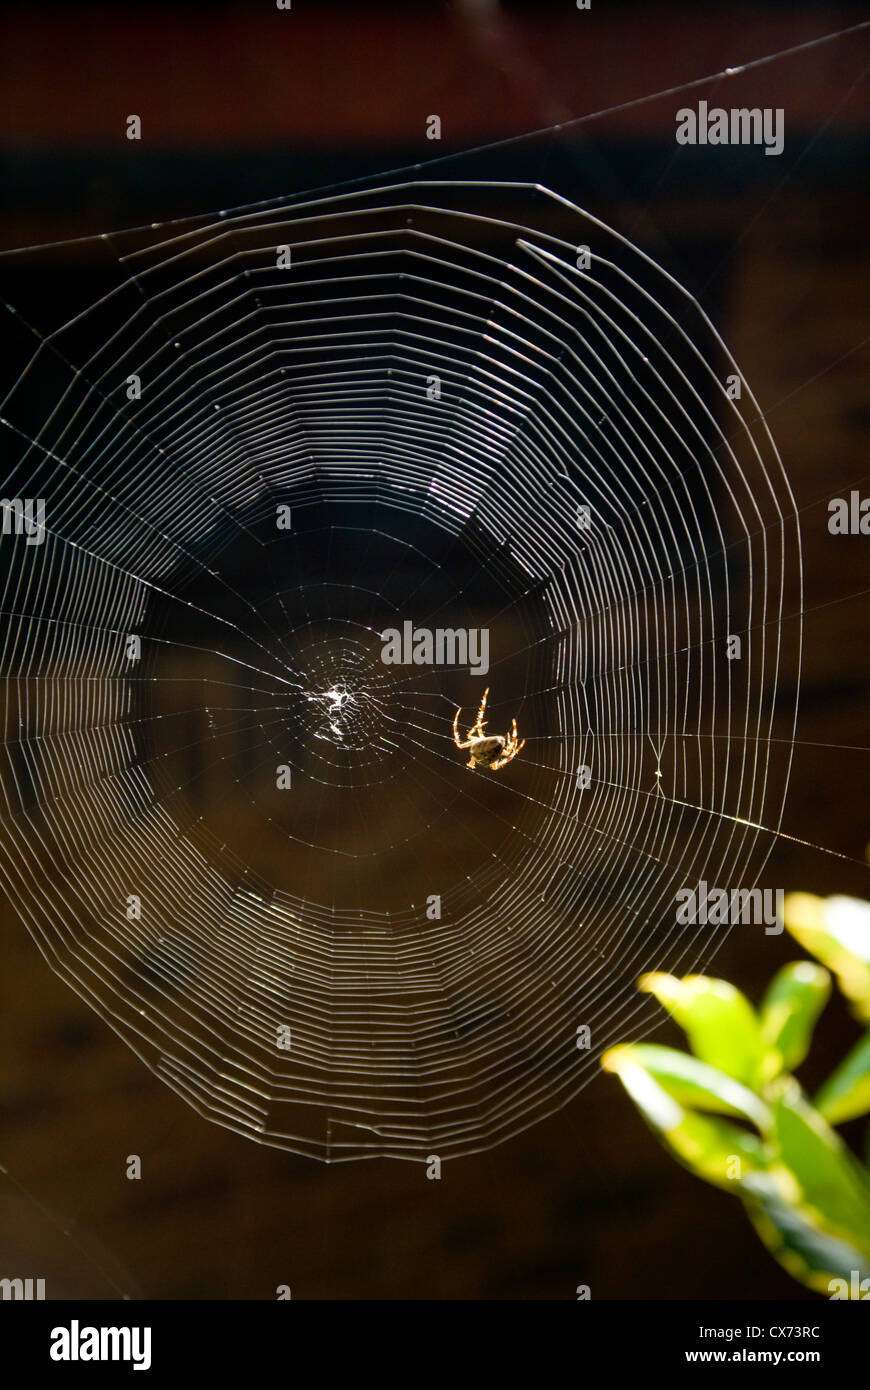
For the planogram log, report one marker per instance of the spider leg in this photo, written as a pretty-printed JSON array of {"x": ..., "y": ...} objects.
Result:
[
  {"x": 511, "y": 748},
  {"x": 456, "y": 738},
  {"x": 480, "y": 724}
]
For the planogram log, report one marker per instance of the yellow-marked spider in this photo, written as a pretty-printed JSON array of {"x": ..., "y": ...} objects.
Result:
[{"x": 487, "y": 750}]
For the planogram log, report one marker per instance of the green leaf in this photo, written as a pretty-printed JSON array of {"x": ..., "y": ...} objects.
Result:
[
  {"x": 826, "y": 1177},
  {"x": 794, "y": 1238},
  {"x": 846, "y": 1093},
  {"x": 837, "y": 932},
  {"x": 720, "y": 1023},
  {"x": 715, "y": 1150},
  {"x": 791, "y": 1006},
  {"x": 807, "y": 1198},
  {"x": 693, "y": 1083}
]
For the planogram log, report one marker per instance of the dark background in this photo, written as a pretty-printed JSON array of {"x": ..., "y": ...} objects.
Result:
[{"x": 246, "y": 103}]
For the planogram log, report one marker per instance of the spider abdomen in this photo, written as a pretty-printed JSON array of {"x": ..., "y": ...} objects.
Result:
[{"x": 487, "y": 750}]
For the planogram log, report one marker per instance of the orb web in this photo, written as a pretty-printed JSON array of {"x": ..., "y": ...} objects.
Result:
[{"x": 275, "y": 436}]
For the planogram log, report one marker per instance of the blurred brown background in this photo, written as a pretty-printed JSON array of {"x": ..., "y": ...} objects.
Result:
[{"x": 241, "y": 103}]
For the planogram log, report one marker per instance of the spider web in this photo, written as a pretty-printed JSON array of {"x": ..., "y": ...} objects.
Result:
[{"x": 414, "y": 401}]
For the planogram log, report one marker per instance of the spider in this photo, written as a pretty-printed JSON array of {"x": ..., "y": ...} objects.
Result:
[{"x": 487, "y": 750}]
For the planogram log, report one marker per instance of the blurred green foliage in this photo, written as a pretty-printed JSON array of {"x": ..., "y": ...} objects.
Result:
[{"x": 732, "y": 1111}]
